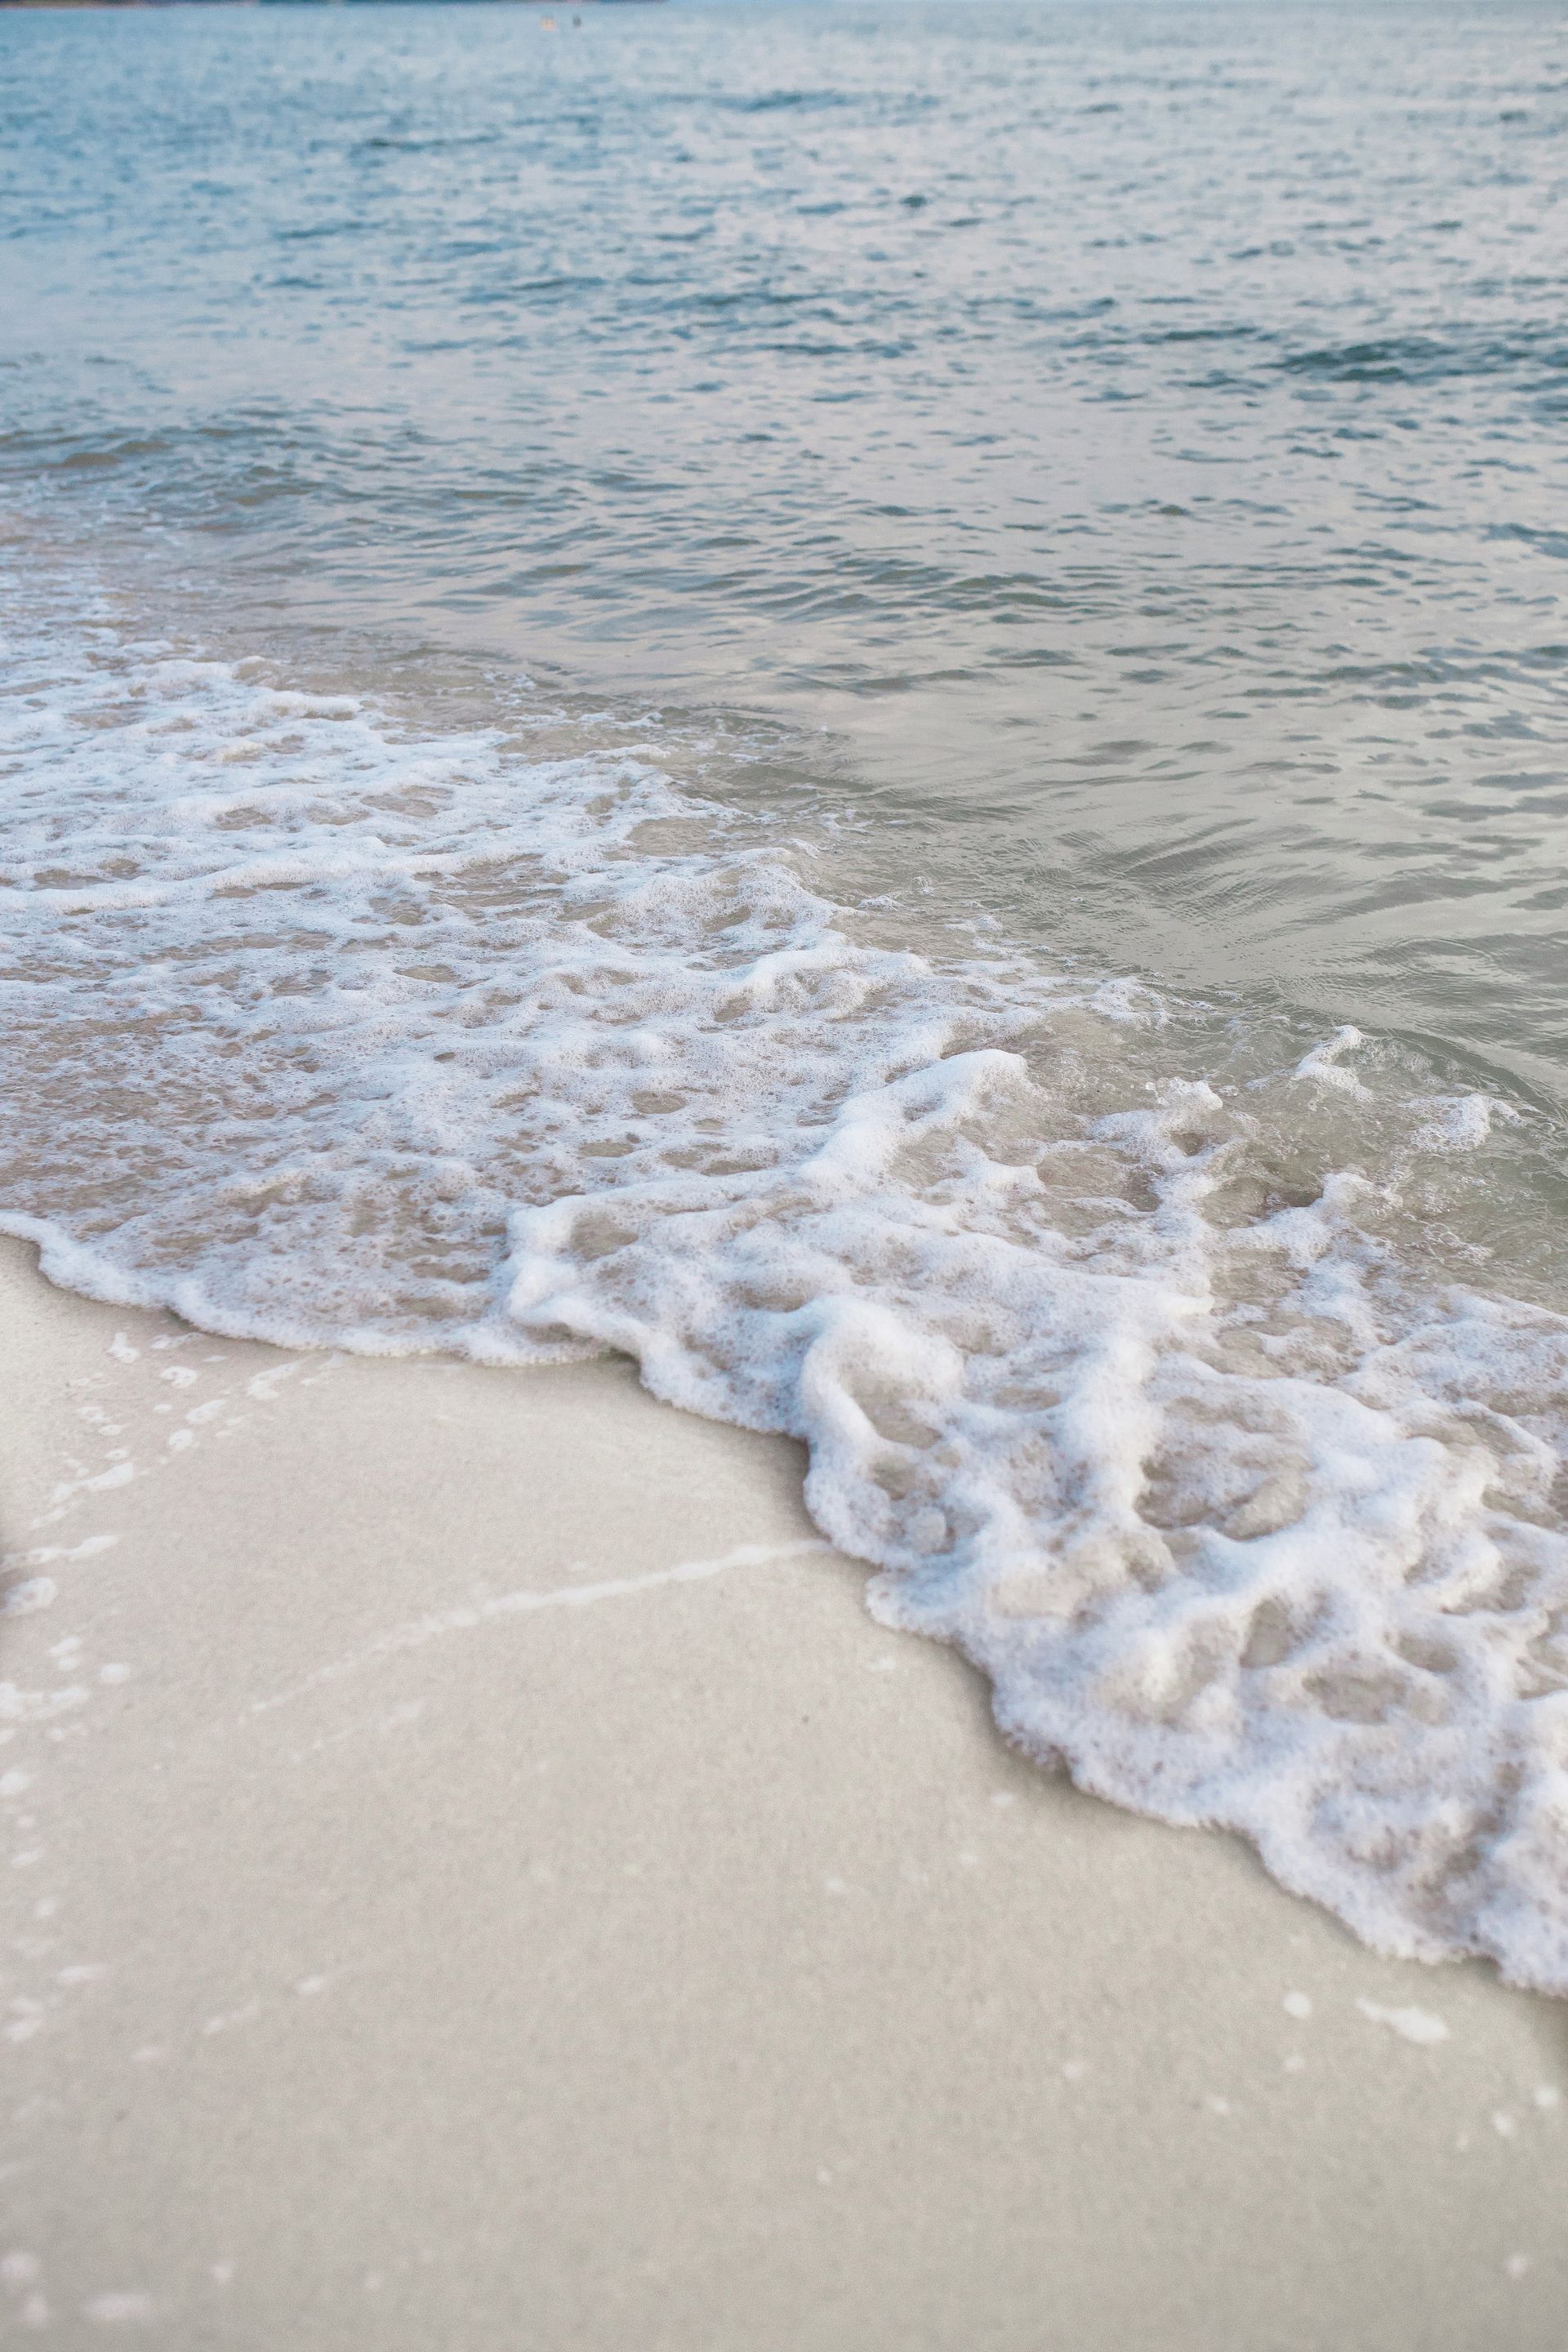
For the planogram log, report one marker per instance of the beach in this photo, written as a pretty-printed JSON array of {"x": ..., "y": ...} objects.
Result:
[
  {"x": 784, "y": 1209},
  {"x": 479, "y": 1876}
]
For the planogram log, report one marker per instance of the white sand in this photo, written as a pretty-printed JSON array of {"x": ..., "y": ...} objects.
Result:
[{"x": 649, "y": 1960}]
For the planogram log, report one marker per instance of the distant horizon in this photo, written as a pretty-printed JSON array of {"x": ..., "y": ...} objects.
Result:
[{"x": 1358, "y": 7}]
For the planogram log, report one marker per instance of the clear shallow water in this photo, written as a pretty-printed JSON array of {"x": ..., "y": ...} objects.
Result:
[
  {"x": 863, "y": 699},
  {"x": 1139, "y": 432}
]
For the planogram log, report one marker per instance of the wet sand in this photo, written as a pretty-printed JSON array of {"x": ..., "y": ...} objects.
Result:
[{"x": 479, "y": 1878}]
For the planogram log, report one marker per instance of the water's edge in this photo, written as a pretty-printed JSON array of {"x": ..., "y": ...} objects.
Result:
[{"x": 1160, "y": 1354}]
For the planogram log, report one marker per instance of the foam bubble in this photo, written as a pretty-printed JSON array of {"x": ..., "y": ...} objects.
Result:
[{"x": 1153, "y": 1351}]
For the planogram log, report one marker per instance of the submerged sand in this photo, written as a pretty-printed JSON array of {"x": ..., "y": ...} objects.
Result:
[{"x": 479, "y": 1879}]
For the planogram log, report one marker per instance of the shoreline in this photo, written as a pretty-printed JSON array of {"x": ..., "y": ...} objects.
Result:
[{"x": 478, "y": 1868}]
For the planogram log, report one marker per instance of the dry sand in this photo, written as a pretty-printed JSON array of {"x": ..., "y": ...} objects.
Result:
[{"x": 444, "y": 1917}]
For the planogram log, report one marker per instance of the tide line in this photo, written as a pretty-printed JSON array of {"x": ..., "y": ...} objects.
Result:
[{"x": 419, "y": 1630}]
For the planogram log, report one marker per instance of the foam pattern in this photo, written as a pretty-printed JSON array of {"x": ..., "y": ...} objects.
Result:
[{"x": 1161, "y": 1354}]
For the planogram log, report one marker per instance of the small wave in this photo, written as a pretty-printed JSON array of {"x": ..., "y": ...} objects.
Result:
[
  {"x": 1402, "y": 359},
  {"x": 1151, "y": 1353},
  {"x": 784, "y": 102}
]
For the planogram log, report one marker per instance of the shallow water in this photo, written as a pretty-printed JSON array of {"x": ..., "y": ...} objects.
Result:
[{"x": 862, "y": 700}]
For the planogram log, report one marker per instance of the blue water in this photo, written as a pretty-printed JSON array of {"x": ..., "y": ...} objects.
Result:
[{"x": 1135, "y": 433}]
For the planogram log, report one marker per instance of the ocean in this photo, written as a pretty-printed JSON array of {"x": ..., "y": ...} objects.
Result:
[{"x": 866, "y": 700}]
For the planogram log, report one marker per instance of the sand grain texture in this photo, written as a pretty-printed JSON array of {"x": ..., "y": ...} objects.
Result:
[{"x": 404, "y": 1948}]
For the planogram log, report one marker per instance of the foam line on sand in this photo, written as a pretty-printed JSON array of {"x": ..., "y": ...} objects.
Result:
[{"x": 698, "y": 1969}]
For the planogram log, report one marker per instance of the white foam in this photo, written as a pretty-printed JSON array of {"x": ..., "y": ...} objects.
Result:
[
  {"x": 32, "y": 1592},
  {"x": 1167, "y": 1385},
  {"x": 1418, "y": 2025},
  {"x": 1324, "y": 1065}
]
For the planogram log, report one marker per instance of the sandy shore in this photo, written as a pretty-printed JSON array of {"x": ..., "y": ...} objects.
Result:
[{"x": 479, "y": 1880}]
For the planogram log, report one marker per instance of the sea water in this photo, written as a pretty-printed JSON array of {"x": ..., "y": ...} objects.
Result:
[{"x": 865, "y": 700}]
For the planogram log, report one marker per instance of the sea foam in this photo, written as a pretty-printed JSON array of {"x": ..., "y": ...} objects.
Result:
[{"x": 1151, "y": 1350}]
